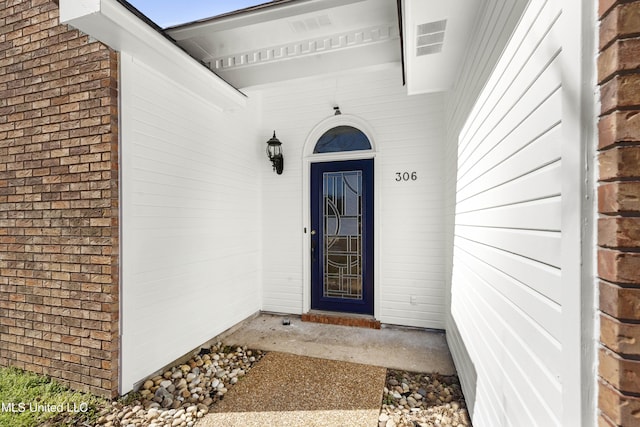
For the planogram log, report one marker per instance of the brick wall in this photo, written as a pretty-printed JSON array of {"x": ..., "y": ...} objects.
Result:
[
  {"x": 58, "y": 199},
  {"x": 619, "y": 208}
]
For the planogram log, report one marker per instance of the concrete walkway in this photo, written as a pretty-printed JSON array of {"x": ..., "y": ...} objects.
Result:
[
  {"x": 287, "y": 390},
  {"x": 390, "y": 347}
]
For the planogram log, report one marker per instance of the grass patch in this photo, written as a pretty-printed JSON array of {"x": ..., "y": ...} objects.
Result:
[{"x": 29, "y": 400}]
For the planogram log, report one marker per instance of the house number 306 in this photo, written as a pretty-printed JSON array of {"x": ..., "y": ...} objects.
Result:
[{"x": 406, "y": 176}]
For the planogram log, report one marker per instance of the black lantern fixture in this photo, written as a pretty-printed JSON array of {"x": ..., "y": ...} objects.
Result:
[{"x": 274, "y": 151}]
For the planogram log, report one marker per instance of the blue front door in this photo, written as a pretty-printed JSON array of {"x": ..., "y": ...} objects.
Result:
[{"x": 342, "y": 236}]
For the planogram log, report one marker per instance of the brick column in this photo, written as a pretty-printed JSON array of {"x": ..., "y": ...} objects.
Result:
[
  {"x": 619, "y": 208},
  {"x": 59, "y": 307}
]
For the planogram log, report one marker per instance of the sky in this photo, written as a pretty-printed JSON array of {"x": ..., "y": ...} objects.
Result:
[{"x": 166, "y": 13}]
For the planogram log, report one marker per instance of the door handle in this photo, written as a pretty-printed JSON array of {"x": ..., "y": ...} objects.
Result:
[{"x": 314, "y": 242}]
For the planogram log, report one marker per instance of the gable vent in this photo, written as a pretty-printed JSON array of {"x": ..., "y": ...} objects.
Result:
[
  {"x": 310, "y": 24},
  {"x": 430, "y": 37}
]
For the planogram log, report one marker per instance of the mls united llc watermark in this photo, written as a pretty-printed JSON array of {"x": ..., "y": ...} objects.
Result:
[{"x": 20, "y": 407}]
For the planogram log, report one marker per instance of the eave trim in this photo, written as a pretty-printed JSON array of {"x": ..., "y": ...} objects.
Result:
[{"x": 119, "y": 27}]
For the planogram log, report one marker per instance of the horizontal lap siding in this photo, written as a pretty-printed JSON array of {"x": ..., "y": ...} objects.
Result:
[
  {"x": 490, "y": 34},
  {"x": 409, "y": 135},
  {"x": 411, "y": 239},
  {"x": 506, "y": 287},
  {"x": 191, "y": 203}
]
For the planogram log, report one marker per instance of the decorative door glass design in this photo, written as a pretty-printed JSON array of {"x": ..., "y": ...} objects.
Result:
[{"x": 342, "y": 234}]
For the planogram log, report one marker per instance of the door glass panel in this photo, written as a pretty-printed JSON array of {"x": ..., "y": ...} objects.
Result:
[
  {"x": 342, "y": 234},
  {"x": 342, "y": 138}
]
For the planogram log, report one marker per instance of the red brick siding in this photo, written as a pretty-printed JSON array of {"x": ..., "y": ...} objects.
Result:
[
  {"x": 619, "y": 208},
  {"x": 59, "y": 304}
]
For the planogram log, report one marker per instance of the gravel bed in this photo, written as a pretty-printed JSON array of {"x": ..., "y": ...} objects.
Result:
[
  {"x": 184, "y": 393},
  {"x": 422, "y": 400}
]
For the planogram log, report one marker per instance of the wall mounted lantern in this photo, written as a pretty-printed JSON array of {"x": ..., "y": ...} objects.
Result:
[{"x": 274, "y": 151}]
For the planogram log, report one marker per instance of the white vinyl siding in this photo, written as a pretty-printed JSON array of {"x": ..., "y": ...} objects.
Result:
[
  {"x": 508, "y": 325},
  {"x": 409, "y": 136},
  {"x": 489, "y": 37},
  {"x": 190, "y": 219}
]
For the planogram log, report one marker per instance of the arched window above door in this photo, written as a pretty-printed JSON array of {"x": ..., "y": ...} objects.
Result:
[{"x": 342, "y": 138}]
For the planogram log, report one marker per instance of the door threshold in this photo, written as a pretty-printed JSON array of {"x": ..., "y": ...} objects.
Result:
[{"x": 343, "y": 319}]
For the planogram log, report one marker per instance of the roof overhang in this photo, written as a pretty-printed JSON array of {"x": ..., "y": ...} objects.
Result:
[
  {"x": 117, "y": 26},
  {"x": 435, "y": 38},
  {"x": 287, "y": 39}
]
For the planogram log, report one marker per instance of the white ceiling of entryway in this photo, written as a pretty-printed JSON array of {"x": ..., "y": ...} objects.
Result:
[{"x": 287, "y": 39}]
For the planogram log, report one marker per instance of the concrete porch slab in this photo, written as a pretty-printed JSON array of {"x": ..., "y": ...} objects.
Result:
[{"x": 393, "y": 347}]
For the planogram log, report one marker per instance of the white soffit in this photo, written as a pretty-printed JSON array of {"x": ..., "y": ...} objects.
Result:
[
  {"x": 294, "y": 39},
  {"x": 436, "y": 34},
  {"x": 114, "y": 25}
]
